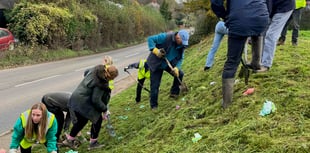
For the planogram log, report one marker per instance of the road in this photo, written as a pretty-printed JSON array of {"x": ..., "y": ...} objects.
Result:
[{"x": 21, "y": 87}]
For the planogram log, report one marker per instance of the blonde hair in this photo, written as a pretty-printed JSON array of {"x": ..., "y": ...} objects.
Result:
[
  {"x": 107, "y": 60},
  {"x": 39, "y": 130}
]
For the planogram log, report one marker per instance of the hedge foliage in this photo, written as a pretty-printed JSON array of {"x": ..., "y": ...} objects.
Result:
[{"x": 82, "y": 25}]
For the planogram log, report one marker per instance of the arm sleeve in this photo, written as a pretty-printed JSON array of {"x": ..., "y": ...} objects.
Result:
[
  {"x": 179, "y": 64},
  {"x": 18, "y": 134},
  {"x": 156, "y": 39},
  {"x": 134, "y": 65},
  {"x": 218, "y": 8},
  {"x": 51, "y": 140},
  {"x": 97, "y": 99}
]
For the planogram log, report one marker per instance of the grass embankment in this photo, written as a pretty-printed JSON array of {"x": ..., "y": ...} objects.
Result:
[{"x": 236, "y": 129}]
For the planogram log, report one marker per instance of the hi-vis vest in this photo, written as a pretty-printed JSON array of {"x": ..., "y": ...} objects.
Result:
[
  {"x": 26, "y": 142},
  {"x": 300, "y": 4},
  {"x": 142, "y": 73},
  {"x": 111, "y": 84}
]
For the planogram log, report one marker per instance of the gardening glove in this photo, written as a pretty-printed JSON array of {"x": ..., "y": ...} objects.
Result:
[
  {"x": 13, "y": 151},
  {"x": 159, "y": 52},
  {"x": 175, "y": 72}
]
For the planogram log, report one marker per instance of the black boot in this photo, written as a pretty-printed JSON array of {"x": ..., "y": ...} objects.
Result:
[
  {"x": 257, "y": 47},
  {"x": 227, "y": 89}
]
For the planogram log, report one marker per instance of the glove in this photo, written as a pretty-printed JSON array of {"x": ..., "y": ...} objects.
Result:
[
  {"x": 159, "y": 52},
  {"x": 126, "y": 68},
  {"x": 175, "y": 72},
  {"x": 13, "y": 151}
]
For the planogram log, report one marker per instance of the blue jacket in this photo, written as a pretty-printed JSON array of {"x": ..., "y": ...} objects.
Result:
[
  {"x": 174, "y": 52},
  {"x": 243, "y": 17},
  {"x": 280, "y": 6}
]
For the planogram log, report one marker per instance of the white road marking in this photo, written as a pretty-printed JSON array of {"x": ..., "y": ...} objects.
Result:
[{"x": 36, "y": 80}]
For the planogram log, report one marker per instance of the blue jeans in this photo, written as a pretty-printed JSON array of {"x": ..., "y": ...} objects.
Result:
[
  {"x": 155, "y": 83},
  {"x": 295, "y": 19},
  {"x": 220, "y": 31},
  {"x": 272, "y": 35}
]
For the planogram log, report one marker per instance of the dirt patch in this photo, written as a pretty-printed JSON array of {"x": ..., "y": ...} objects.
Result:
[{"x": 123, "y": 84}]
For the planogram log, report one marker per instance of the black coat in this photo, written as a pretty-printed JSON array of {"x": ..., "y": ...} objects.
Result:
[{"x": 92, "y": 95}]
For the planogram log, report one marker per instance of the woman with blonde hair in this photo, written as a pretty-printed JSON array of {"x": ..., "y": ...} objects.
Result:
[{"x": 36, "y": 125}]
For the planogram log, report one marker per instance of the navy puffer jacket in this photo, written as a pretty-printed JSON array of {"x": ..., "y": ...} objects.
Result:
[{"x": 243, "y": 17}]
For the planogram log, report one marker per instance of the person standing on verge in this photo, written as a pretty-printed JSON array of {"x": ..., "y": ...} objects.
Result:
[
  {"x": 243, "y": 19},
  {"x": 170, "y": 45},
  {"x": 280, "y": 11},
  {"x": 88, "y": 101},
  {"x": 295, "y": 18},
  {"x": 36, "y": 125},
  {"x": 143, "y": 73},
  {"x": 220, "y": 31}
]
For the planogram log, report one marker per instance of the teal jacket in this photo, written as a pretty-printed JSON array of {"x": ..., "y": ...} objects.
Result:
[
  {"x": 174, "y": 52},
  {"x": 18, "y": 135}
]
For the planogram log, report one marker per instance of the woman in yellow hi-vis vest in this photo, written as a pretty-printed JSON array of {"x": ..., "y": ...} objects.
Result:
[
  {"x": 143, "y": 73},
  {"x": 36, "y": 125}
]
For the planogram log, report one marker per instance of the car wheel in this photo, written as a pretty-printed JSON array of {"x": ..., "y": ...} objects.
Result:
[{"x": 11, "y": 46}]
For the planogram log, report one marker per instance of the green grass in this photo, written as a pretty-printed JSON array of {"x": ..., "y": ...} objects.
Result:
[{"x": 236, "y": 129}]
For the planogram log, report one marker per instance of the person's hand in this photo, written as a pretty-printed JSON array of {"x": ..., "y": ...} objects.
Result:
[
  {"x": 105, "y": 115},
  {"x": 13, "y": 151},
  {"x": 175, "y": 72},
  {"x": 54, "y": 151},
  {"x": 2, "y": 151},
  {"x": 159, "y": 52},
  {"x": 126, "y": 68}
]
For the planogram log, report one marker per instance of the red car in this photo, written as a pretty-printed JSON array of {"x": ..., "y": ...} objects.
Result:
[{"x": 6, "y": 40}]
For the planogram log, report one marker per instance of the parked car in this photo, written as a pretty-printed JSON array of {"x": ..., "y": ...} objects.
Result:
[{"x": 7, "y": 40}]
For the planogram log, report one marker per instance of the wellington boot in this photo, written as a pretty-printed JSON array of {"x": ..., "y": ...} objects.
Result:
[
  {"x": 227, "y": 89},
  {"x": 257, "y": 47}
]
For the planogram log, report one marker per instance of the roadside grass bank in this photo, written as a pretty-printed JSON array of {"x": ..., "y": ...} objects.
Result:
[{"x": 239, "y": 128}]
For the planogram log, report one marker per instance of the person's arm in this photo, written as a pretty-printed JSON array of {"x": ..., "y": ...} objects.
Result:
[
  {"x": 97, "y": 99},
  {"x": 51, "y": 140},
  {"x": 179, "y": 64},
  {"x": 218, "y": 8},
  {"x": 133, "y": 65},
  {"x": 18, "y": 134},
  {"x": 156, "y": 39}
]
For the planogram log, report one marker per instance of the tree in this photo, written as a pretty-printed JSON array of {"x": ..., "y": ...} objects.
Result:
[{"x": 164, "y": 11}]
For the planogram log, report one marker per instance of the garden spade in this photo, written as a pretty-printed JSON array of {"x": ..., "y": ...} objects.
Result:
[{"x": 182, "y": 86}]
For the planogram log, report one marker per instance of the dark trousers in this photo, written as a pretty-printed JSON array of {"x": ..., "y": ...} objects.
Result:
[
  {"x": 81, "y": 122},
  {"x": 295, "y": 19},
  {"x": 155, "y": 84},
  {"x": 234, "y": 53},
  {"x": 139, "y": 89}
]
